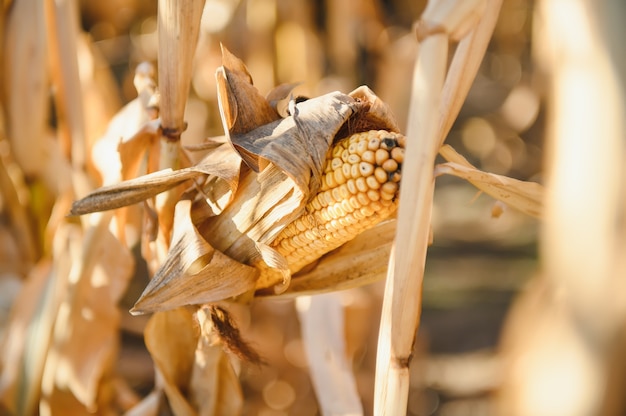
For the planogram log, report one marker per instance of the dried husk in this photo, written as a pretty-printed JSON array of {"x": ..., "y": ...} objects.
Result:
[
  {"x": 25, "y": 84},
  {"x": 524, "y": 196},
  {"x": 237, "y": 209}
]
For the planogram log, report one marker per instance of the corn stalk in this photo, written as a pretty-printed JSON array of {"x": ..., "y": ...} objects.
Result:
[{"x": 441, "y": 22}]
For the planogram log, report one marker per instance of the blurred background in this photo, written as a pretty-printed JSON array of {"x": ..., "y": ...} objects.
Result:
[{"x": 478, "y": 262}]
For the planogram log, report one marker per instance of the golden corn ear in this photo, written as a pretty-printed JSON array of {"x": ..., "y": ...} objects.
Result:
[{"x": 359, "y": 189}]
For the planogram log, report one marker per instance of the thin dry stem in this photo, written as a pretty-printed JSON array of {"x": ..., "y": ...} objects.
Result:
[
  {"x": 402, "y": 303},
  {"x": 403, "y": 289}
]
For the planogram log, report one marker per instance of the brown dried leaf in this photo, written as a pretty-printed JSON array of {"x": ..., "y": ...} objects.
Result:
[
  {"x": 131, "y": 191},
  {"x": 118, "y": 153},
  {"x": 360, "y": 261},
  {"x": 214, "y": 385},
  {"x": 171, "y": 338},
  {"x": 241, "y": 106},
  {"x": 26, "y": 83},
  {"x": 194, "y": 271},
  {"x": 298, "y": 144},
  {"x": 279, "y": 97},
  {"x": 223, "y": 164},
  {"x": 20, "y": 384},
  {"x": 91, "y": 314},
  {"x": 524, "y": 196},
  {"x": 264, "y": 204}
]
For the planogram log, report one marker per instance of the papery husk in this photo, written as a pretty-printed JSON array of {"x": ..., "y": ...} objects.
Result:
[
  {"x": 194, "y": 272},
  {"x": 239, "y": 213},
  {"x": 524, "y": 196},
  {"x": 25, "y": 84}
]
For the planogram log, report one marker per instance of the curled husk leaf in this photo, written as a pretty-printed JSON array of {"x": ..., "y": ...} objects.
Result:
[{"x": 245, "y": 191}]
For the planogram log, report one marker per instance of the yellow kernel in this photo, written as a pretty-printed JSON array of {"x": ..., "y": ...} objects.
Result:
[
  {"x": 310, "y": 235},
  {"x": 367, "y": 169},
  {"x": 325, "y": 215},
  {"x": 315, "y": 203},
  {"x": 354, "y": 171},
  {"x": 332, "y": 213},
  {"x": 345, "y": 205},
  {"x": 351, "y": 184},
  {"x": 353, "y": 159},
  {"x": 354, "y": 202},
  {"x": 336, "y": 194},
  {"x": 345, "y": 169},
  {"x": 339, "y": 178},
  {"x": 352, "y": 148},
  {"x": 373, "y": 144},
  {"x": 362, "y": 198},
  {"x": 369, "y": 157},
  {"x": 397, "y": 154},
  {"x": 317, "y": 245},
  {"x": 367, "y": 211},
  {"x": 381, "y": 156},
  {"x": 318, "y": 217},
  {"x": 344, "y": 155},
  {"x": 372, "y": 182},
  {"x": 389, "y": 187},
  {"x": 337, "y": 149},
  {"x": 286, "y": 244},
  {"x": 354, "y": 138},
  {"x": 299, "y": 240},
  {"x": 386, "y": 196},
  {"x": 380, "y": 175},
  {"x": 395, "y": 176},
  {"x": 377, "y": 206},
  {"x": 299, "y": 225},
  {"x": 330, "y": 180},
  {"x": 322, "y": 199},
  {"x": 390, "y": 165},
  {"x": 401, "y": 141},
  {"x": 336, "y": 163},
  {"x": 373, "y": 195},
  {"x": 361, "y": 147},
  {"x": 339, "y": 209},
  {"x": 361, "y": 185},
  {"x": 334, "y": 224},
  {"x": 344, "y": 193}
]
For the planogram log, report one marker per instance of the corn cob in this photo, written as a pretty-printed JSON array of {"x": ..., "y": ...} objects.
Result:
[{"x": 359, "y": 189}]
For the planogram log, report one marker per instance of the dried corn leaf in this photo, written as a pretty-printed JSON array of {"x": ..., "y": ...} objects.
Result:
[
  {"x": 194, "y": 271},
  {"x": 25, "y": 346},
  {"x": 118, "y": 153},
  {"x": 26, "y": 83},
  {"x": 298, "y": 144},
  {"x": 244, "y": 212},
  {"x": 214, "y": 385},
  {"x": 223, "y": 164},
  {"x": 241, "y": 106},
  {"x": 524, "y": 196},
  {"x": 89, "y": 311},
  {"x": 358, "y": 262},
  {"x": 322, "y": 323},
  {"x": 171, "y": 338}
]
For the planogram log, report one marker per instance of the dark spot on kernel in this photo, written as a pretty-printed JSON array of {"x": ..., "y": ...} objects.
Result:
[
  {"x": 388, "y": 143},
  {"x": 394, "y": 176}
]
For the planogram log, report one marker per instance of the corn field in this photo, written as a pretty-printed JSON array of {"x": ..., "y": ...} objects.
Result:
[{"x": 272, "y": 207}]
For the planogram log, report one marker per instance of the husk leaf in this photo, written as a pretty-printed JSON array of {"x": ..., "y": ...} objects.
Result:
[{"x": 527, "y": 197}]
